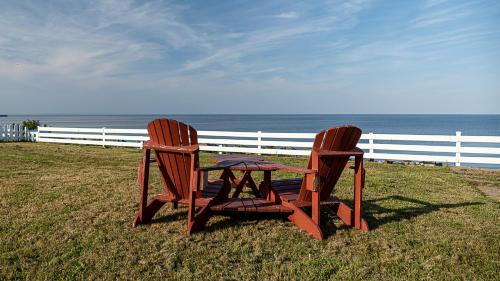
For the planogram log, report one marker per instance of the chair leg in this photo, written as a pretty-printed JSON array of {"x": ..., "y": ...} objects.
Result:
[
  {"x": 346, "y": 214},
  {"x": 315, "y": 212},
  {"x": 359, "y": 179},
  {"x": 198, "y": 221},
  {"x": 146, "y": 211},
  {"x": 144, "y": 216},
  {"x": 303, "y": 221}
]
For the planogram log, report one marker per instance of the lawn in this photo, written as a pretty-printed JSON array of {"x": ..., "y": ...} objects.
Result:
[{"x": 67, "y": 211}]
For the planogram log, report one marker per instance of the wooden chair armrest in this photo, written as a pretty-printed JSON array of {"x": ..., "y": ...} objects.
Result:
[
  {"x": 353, "y": 152},
  {"x": 187, "y": 149}
]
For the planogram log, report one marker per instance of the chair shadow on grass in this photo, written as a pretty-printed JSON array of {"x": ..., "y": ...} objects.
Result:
[
  {"x": 239, "y": 219},
  {"x": 375, "y": 214},
  {"x": 177, "y": 215}
]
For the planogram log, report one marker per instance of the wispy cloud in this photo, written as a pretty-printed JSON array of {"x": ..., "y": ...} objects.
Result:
[
  {"x": 286, "y": 15},
  {"x": 269, "y": 38},
  {"x": 430, "y": 3},
  {"x": 443, "y": 15},
  {"x": 129, "y": 52},
  {"x": 102, "y": 38}
]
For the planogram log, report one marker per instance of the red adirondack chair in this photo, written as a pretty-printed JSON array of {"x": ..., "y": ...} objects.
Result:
[
  {"x": 175, "y": 146},
  {"x": 176, "y": 149},
  {"x": 330, "y": 153}
]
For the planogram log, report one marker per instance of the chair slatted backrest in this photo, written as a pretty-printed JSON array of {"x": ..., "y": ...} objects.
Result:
[
  {"x": 175, "y": 168},
  {"x": 341, "y": 138}
]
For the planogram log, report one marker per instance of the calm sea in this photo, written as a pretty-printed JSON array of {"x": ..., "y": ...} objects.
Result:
[{"x": 390, "y": 124}]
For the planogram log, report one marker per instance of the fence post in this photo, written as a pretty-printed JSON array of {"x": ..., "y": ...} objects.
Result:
[
  {"x": 458, "y": 145},
  {"x": 18, "y": 132},
  {"x": 25, "y": 130},
  {"x": 370, "y": 145},
  {"x": 103, "y": 136},
  {"x": 10, "y": 128},
  {"x": 259, "y": 141},
  {"x": 37, "y": 137},
  {"x": 220, "y": 152}
]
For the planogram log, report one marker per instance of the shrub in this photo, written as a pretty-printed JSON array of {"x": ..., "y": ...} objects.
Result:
[{"x": 31, "y": 124}]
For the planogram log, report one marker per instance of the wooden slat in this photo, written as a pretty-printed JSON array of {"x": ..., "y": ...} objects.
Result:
[
  {"x": 193, "y": 135},
  {"x": 221, "y": 205},
  {"x": 335, "y": 166},
  {"x": 164, "y": 164},
  {"x": 184, "y": 139},
  {"x": 164, "y": 158},
  {"x": 183, "y": 130},
  {"x": 346, "y": 139},
  {"x": 249, "y": 205},
  {"x": 167, "y": 139},
  {"x": 179, "y": 158},
  {"x": 235, "y": 205},
  {"x": 264, "y": 206}
]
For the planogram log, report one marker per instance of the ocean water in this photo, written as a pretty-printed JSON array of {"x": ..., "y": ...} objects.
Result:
[{"x": 487, "y": 125}]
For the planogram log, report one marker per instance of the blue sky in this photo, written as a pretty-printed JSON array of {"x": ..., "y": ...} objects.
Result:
[{"x": 355, "y": 56}]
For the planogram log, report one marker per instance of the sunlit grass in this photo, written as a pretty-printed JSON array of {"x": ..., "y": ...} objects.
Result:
[{"x": 67, "y": 213}]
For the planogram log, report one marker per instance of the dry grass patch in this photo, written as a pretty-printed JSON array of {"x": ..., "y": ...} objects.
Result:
[{"x": 67, "y": 212}]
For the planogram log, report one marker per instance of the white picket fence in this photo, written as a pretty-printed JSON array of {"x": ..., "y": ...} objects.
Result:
[
  {"x": 453, "y": 149},
  {"x": 14, "y": 132}
]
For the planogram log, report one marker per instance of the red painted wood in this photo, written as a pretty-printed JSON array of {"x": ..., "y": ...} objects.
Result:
[
  {"x": 175, "y": 147},
  {"x": 184, "y": 179},
  {"x": 330, "y": 153},
  {"x": 249, "y": 205},
  {"x": 233, "y": 157}
]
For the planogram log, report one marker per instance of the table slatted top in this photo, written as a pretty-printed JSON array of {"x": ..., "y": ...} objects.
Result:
[{"x": 252, "y": 163}]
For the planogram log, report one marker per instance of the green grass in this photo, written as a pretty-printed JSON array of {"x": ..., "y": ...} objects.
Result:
[{"x": 66, "y": 213}]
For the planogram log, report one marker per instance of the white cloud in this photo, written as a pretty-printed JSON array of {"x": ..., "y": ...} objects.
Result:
[
  {"x": 98, "y": 38},
  {"x": 286, "y": 15},
  {"x": 273, "y": 37},
  {"x": 431, "y": 3}
]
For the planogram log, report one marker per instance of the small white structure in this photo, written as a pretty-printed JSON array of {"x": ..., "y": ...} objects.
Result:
[{"x": 15, "y": 132}]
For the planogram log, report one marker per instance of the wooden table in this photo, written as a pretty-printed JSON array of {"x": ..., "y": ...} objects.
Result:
[{"x": 246, "y": 164}]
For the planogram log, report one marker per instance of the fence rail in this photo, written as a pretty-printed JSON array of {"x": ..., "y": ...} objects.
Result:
[{"x": 453, "y": 149}]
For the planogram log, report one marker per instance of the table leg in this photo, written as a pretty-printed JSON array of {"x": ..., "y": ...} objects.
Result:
[
  {"x": 265, "y": 186},
  {"x": 231, "y": 176},
  {"x": 253, "y": 186},
  {"x": 241, "y": 183}
]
